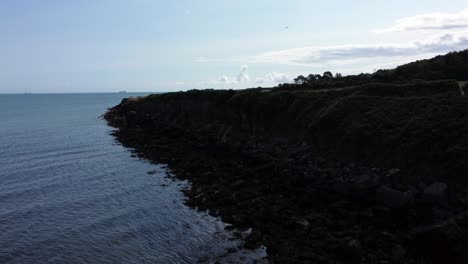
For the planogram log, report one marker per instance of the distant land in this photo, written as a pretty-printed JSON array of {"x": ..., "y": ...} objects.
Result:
[{"x": 368, "y": 168}]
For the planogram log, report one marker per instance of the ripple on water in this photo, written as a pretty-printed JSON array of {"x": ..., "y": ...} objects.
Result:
[{"x": 70, "y": 194}]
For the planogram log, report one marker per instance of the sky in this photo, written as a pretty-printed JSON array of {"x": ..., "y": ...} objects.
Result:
[{"x": 56, "y": 46}]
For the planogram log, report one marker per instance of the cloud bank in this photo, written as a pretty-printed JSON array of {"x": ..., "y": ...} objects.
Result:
[
  {"x": 448, "y": 31},
  {"x": 243, "y": 78},
  {"x": 430, "y": 21},
  {"x": 349, "y": 54},
  {"x": 274, "y": 77}
]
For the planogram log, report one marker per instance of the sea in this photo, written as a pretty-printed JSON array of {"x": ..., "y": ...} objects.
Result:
[{"x": 70, "y": 193}]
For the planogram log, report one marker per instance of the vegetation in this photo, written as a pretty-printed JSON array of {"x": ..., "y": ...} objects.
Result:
[
  {"x": 419, "y": 127},
  {"x": 453, "y": 66},
  {"x": 396, "y": 117}
]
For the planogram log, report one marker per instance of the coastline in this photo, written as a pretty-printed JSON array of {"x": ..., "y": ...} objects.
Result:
[{"x": 304, "y": 207}]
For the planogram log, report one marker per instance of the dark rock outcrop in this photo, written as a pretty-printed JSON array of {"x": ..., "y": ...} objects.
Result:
[
  {"x": 441, "y": 243},
  {"x": 310, "y": 172},
  {"x": 436, "y": 192},
  {"x": 393, "y": 198}
]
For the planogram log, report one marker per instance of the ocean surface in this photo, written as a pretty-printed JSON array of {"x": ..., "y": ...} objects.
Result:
[{"x": 69, "y": 193}]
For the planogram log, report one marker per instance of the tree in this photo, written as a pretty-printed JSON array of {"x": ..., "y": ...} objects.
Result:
[
  {"x": 338, "y": 75},
  {"x": 300, "y": 80},
  {"x": 328, "y": 75},
  {"x": 311, "y": 78}
]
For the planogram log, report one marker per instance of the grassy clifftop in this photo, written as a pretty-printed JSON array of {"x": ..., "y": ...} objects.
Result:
[
  {"x": 420, "y": 127},
  {"x": 451, "y": 66}
]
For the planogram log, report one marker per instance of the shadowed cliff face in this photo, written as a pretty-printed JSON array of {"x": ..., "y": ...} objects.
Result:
[
  {"x": 306, "y": 170},
  {"x": 420, "y": 128}
]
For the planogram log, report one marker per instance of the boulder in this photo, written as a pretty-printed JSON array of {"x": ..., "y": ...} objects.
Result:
[
  {"x": 436, "y": 192},
  {"x": 393, "y": 198},
  {"x": 393, "y": 175},
  {"x": 362, "y": 189},
  {"x": 393, "y": 172},
  {"x": 440, "y": 214},
  {"x": 301, "y": 223},
  {"x": 439, "y": 243},
  {"x": 352, "y": 251},
  {"x": 398, "y": 254},
  {"x": 240, "y": 219}
]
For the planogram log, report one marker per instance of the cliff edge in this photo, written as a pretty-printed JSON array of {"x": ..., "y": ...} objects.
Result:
[{"x": 361, "y": 174}]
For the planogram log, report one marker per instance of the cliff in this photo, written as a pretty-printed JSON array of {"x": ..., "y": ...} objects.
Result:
[
  {"x": 353, "y": 175},
  {"x": 420, "y": 128}
]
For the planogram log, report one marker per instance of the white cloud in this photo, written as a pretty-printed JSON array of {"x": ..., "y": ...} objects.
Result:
[
  {"x": 274, "y": 78},
  {"x": 227, "y": 80},
  {"x": 353, "y": 54},
  {"x": 224, "y": 79},
  {"x": 430, "y": 21},
  {"x": 347, "y": 59},
  {"x": 279, "y": 77},
  {"x": 243, "y": 76},
  {"x": 357, "y": 58},
  {"x": 259, "y": 80},
  {"x": 243, "y": 79}
]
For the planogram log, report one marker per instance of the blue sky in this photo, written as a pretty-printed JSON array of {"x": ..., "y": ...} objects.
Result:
[{"x": 143, "y": 45}]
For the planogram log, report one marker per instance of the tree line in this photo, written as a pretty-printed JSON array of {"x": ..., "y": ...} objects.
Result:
[{"x": 453, "y": 65}]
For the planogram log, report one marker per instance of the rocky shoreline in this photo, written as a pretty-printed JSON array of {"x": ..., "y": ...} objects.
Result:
[{"x": 305, "y": 208}]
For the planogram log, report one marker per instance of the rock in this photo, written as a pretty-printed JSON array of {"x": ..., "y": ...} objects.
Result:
[
  {"x": 237, "y": 184},
  {"x": 436, "y": 192},
  {"x": 362, "y": 189},
  {"x": 393, "y": 198},
  {"x": 464, "y": 200},
  {"x": 398, "y": 254},
  {"x": 421, "y": 186},
  {"x": 353, "y": 251},
  {"x": 240, "y": 219},
  {"x": 343, "y": 188},
  {"x": 253, "y": 240},
  {"x": 393, "y": 171},
  {"x": 462, "y": 219},
  {"x": 438, "y": 242},
  {"x": 368, "y": 181},
  {"x": 302, "y": 223},
  {"x": 393, "y": 175},
  {"x": 380, "y": 210},
  {"x": 366, "y": 214},
  {"x": 440, "y": 214}
]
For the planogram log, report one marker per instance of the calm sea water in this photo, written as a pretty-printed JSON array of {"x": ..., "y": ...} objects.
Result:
[{"x": 70, "y": 194}]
